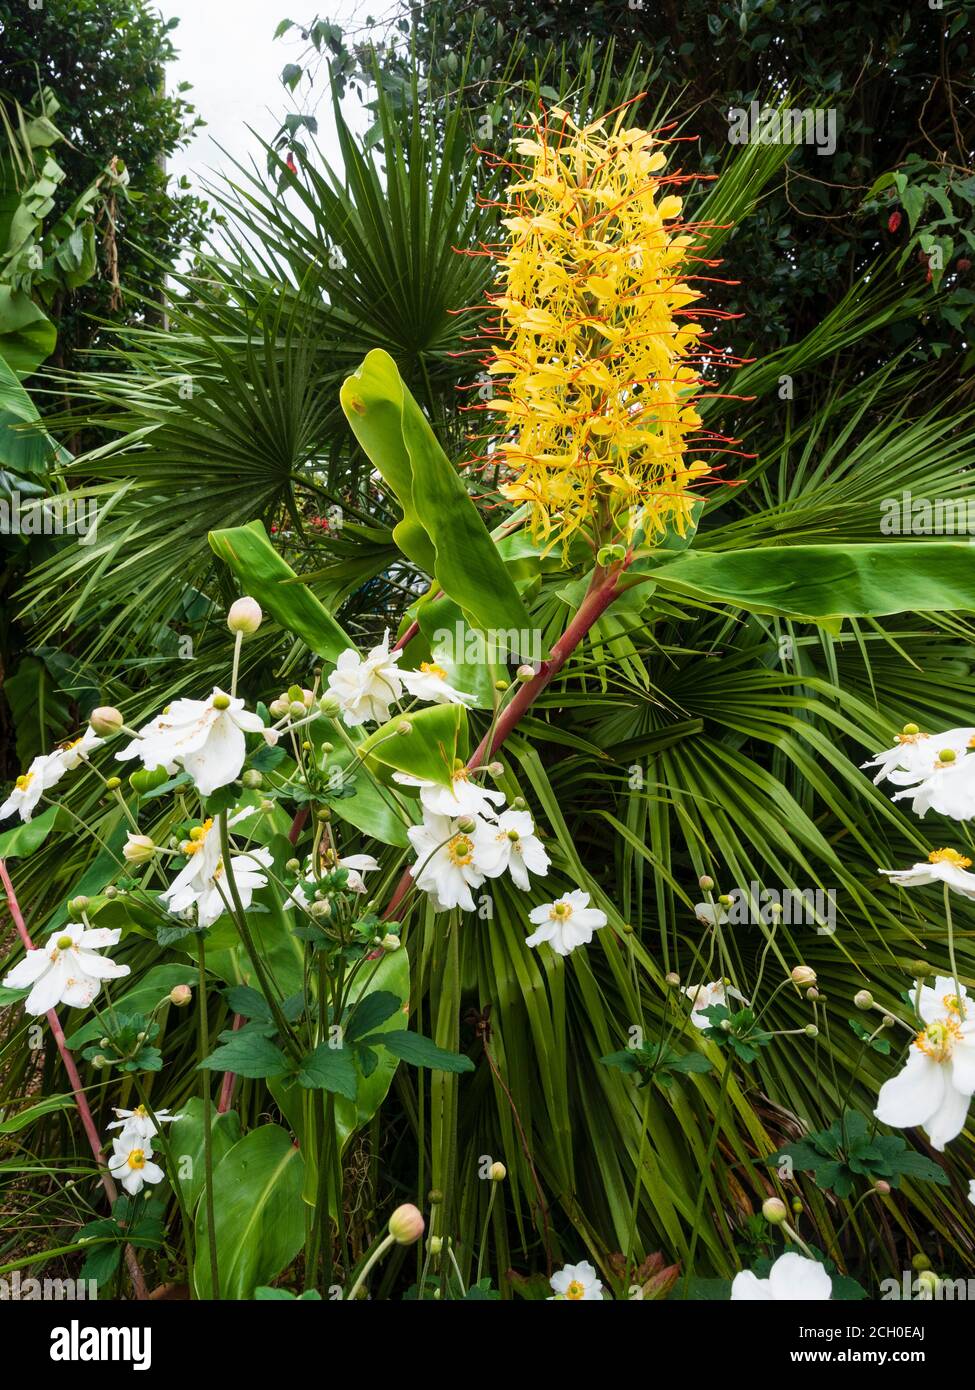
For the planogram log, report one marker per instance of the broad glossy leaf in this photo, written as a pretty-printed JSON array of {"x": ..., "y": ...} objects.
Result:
[
  {"x": 269, "y": 579},
  {"x": 185, "y": 1137},
  {"x": 830, "y": 581},
  {"x": 259, "y": 1217},
  {"x": 429, "y": 750},
  {"x": 441, "y": 530}
]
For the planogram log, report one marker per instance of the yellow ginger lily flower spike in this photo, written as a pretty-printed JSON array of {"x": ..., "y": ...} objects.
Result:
[{"x": 595, "y": 343}]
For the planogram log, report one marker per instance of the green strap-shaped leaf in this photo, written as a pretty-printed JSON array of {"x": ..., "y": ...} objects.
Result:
[
  {"x": 820, "y": 582},
  {"x": 265, "y": 576},
  {"x": 441, "y": 530}
]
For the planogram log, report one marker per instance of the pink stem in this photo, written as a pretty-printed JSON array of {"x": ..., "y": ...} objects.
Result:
[
  {"x": 77, "y": 1090},
  {"x": 599, "y": 597},
  {"x": 229, "y": 1077}
]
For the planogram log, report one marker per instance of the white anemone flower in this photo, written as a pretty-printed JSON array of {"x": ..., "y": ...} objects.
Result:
[
  {"x": 202, "y": 882},
  {"x": 943, "y": 866},
  {"x": 935, "y": 1086},
  {"x": 510, "y": 843},
  {"x": 75, "y": 752},
  {"x": 429, "y": 682},
  {"x": 463, "y": 797},
  {"x": 710, "y": 914},
  {"x": 705, "y": 996},
  {"x": 365, "y": 687},
  {"x": 971, "y": 1191},
  {"x": 445, "y": 865},
  {"x": 67, "y": 968},
  {"x": 915, "y": 755},
  {"x": 44, "y": 772},
  {"x": 131, "y": 1163},
  {"x": 949, "y": 790},
  {"x": 567, "y": 923},
  {"x": 139, "y": 1122},
  {"x": 576, "y": 1284},
  {"x": 355, "y": 864},
  {"x": 205, "y": 737},
  {"x": 792, "y": 1278}
]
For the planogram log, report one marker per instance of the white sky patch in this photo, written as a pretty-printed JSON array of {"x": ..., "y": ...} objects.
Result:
[{"x": 227, "y": 51}]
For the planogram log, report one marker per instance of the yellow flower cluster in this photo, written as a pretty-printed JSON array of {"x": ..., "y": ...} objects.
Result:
[{"x": 597, "y": 405}]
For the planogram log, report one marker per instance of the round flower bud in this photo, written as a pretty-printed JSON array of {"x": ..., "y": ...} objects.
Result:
[
  {"x": 267, "y": 807},
  {"x": 111, "y": 891},
  {"x": 525, "y": 673},
  {"x": 882, "y": 1188},
  {"x": 501, "y": 686},
  {"x": 706, "y": 882},
  {"x": 244, "y": 615},
  {"x": 329, "y": 706},
  {"x": 180, "y": 995},
  {"x": 434, "y": 1196},
  {"x": 100, "y": 1060},
  {"x": 920, "y": 968},
  {"x": 390, "y": 943},
  {"x": 812, "y": 994},
  {"x": 726, "y": 900},
  {"x": 278, "y": 709},
  {"x": 496, "y": 769},
  {"x": 105, "y": 720},
  {"x": 297, "y": 709},
  {"x": 112, "y": 784},
  {"x": 811, "y": 1031},
  {"x": 796, "y": 1205},
  {"x": 293, "y": 865},
  {"x": 803, "y": 975},
  {"x": 888, "y": 1021},
  {"x": 435, "y": 1245},
  {"x": 138, "y": 849},
  {"x": 672, "y": 978},
  {"x": 775, "y": 1210},
  {"x": 498, "y": 1172},
  {"x": 465, "y": 824},
  {"x": 406, "y": 1224},
  {"x": 404, "y": 727},
  {"x": 519, "y": 804},
  {"x": 252, "y": 779},
  {"x": 863, "y": 999},
  {"x": 77, "y": 906}
]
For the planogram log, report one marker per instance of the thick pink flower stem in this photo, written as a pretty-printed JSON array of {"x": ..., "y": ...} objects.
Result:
[
  {"x": 77, "y": 1089},
  {"x": 605, "y": 587}
]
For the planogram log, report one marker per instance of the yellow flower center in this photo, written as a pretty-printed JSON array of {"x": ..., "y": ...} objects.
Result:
[
  {"x": 137, "y": 1159},
  {"x": 24, "y": 781},
  {"x": 954, "y": 1005},
  {"x": 431, "y": 668},
  {"x": 561, "y": 912},
  {"x": 938, "y": 1039},
  {"x": 511, "y": 835},
  {"x": 197, "y": 835},
  {"x": 949, "y": 856},
  {"x": 460, "y": 850},
  {"x": 575, "y": 1290},
  {"x": 910, "y": 738},
  {"x": 72, "y": 743}
]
